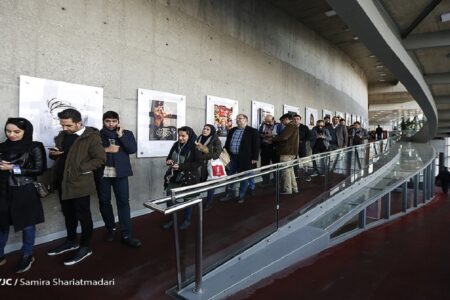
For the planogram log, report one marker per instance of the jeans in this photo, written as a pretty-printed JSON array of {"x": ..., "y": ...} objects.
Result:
[
  {"x": 28, "y": 237},
  {"x": 245, "y": 184},
  {"x": 121, "y": 192},
  {"x": 209, "y": 196}
]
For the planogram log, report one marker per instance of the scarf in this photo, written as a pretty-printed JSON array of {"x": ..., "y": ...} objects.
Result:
[
  {"x": 205, "y": 139},
  {"x": 22, "y": 146},
  {"x": 184, "y": 149}
]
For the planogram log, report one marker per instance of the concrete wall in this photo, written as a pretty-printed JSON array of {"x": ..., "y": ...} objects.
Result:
[{"x": 244, "y": 50}]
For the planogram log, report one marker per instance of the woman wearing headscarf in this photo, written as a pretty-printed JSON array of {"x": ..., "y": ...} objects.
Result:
[
  {"x": 184, "y": 160},
  {"x": 211, "y": 147},
  {"x": 21, "y": 160}
]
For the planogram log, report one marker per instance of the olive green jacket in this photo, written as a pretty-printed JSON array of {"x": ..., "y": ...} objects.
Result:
[{"x": 86, "y": 155}]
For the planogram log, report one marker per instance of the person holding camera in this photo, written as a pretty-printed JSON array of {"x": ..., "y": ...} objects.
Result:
[
  {"x": 184, "y": 161},
  {"x": 21, "y": 160},
  {"x": 320, "y": 142},
  {"x": 119, "y": 144}
]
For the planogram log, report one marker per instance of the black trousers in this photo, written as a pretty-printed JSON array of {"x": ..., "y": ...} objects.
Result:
[
  {"x": 268, "y": 156},
  {"x": 74, "y": 210}
]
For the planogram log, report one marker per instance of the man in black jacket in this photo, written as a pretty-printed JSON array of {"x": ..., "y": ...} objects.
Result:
[
  {"x": 304, "y": 136},
  {"x": 243, "y": 145},
  {"x": 119, "y": 144}
]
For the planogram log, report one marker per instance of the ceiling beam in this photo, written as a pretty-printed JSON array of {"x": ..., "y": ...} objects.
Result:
[
  {"x": 423, "y": 14},
  {"x": 365, "y": 20},
  {"x": 438, "y": 78},
  {"x": 427, "y": 40}
]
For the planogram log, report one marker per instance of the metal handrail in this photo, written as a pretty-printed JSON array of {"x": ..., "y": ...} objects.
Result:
[{"x": 249, "y": 174}]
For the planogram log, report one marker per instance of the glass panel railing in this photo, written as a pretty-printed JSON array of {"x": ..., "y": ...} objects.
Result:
[{"x": 229, "y": 227}]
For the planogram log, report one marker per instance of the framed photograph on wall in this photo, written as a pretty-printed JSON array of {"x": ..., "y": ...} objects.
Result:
[
  {"x": 327, "y": 113},
  {"x": 221, "y": 112},
  {"x": 293, "y": 110},
  {"x": 311, "y": 117},
  {"x": 40, "y": 101},
  {"x": 160, "y": 114},
  {"x": 259, "y": 111}
]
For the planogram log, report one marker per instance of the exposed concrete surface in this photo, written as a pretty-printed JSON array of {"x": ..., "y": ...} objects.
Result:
[{"x": 244, "y": 50}]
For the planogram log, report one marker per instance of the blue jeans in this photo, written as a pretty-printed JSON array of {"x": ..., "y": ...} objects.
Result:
[
  {"x": 28, "y": 237},
  {"x": 121, "y": 191},
  {"x": 245, "y": 184}
]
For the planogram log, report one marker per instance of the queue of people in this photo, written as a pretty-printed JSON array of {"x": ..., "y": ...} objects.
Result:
[{"x": 89, "y": 161}]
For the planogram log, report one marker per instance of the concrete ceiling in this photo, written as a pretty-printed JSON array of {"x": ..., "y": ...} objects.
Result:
[{"x": 417, "y": 24}]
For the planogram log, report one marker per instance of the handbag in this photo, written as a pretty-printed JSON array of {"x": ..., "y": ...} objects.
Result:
[
  {"x": 41, "y": 189},
  {"x": 225, "y": 157},
  {"x": 216, "y": 169}
]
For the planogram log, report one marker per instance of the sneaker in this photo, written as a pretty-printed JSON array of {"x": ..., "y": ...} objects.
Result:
[
  {"x": 81, "y": 254},
  {"x": 294, "y": 191},
  {"x": 110, "y": 235},
  {"x": 308, "y": 178},
  {"x": 241, "y": 200},
  {"x": 25, "y": 263},
  {"x": 67, "y": 246},
  {"x": 285, "y": 193},
  {"x": 131, "y": 242},
  {"x": 2, "y": 260},
  {"x": 314, "y": 174},
  {"x": 167, "y": 225},
  {"x": 184, "y": 225}
]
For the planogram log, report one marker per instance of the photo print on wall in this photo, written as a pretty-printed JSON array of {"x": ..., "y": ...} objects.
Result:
[
  {"x": 160, "y": 114},
  {"x": 259, "y": 111},
  {"x": 221, "y": 112},
  {"x": 41, "y": 100}
]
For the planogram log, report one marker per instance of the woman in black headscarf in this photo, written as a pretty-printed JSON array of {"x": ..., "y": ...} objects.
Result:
[
  {"x": 184, "y": 160},
  {"x": 211, "y": 147},
  {"x": 21, "y": 160}
]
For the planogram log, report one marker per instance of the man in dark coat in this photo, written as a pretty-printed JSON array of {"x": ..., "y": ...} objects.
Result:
[
  {"x": 444, "y": 179},
  {"x": 304, "y": 136},
  {"x": 78, "y": 152},
  {"x": 243, "y": 146},
  {"x": 379, "y": 132},
  {"x": 339, "y": 134},
  {"x": 119, "y": 144}
]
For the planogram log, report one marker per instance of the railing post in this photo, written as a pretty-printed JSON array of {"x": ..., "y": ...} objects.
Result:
[
  {"x": 433, "y": 172},
  {"x": 416, "y": 190},
  {"x": 386, "y": 202},
  {"x": 425, "y": 184},
  {"x": 404, "y": 196},
  {"x": 177, "y": 249},
  {"x": 362, "y": 219},
  {"x": 199, "y": 251},
  {"x": 277, "y": 195}
]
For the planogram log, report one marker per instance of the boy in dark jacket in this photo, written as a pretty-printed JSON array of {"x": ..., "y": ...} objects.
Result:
[{"x": 119, "y": 144}]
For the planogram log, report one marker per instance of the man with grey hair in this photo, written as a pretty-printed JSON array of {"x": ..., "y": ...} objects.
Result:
[{"x": 243, "y": 145}]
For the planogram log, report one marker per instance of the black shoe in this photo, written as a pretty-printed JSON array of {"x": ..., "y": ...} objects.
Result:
[
  {"x": 81, "y": 254},
  {"x": 251, "y": 192},
  {"x": 131, "y": 242},
  {"x": 167, "y": 225},
  {"x": 184, "y": 225},
  {"x": 226, "y": 198},
  {"x": 285, "y": 193},
  {"x": 67, "y": 246},
  {"x": 110, "y": 235},
  {"x": 2, "y": 260},
  {"x": 24, "y": 263}
]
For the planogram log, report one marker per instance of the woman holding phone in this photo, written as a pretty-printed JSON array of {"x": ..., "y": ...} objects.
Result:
[{"x": 20, "y": 206}]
